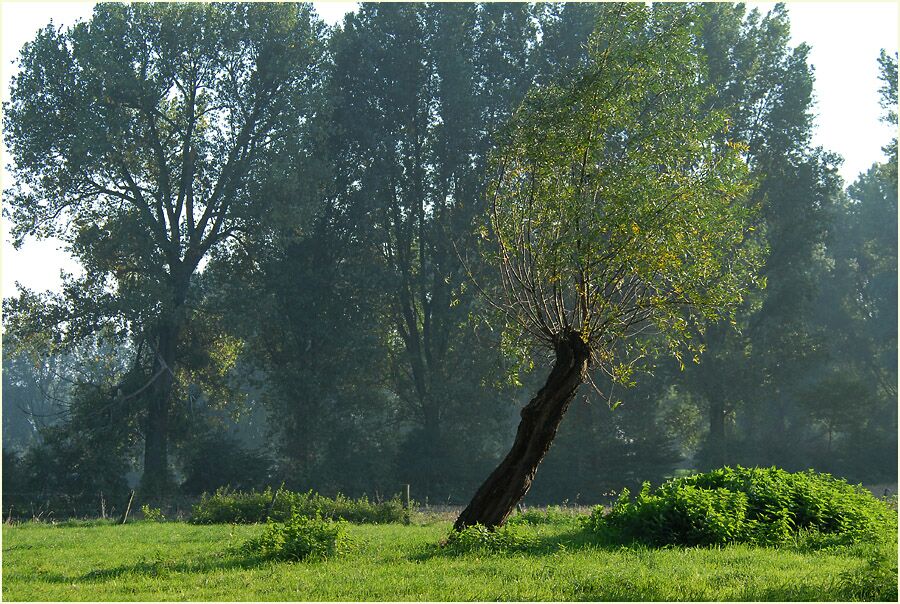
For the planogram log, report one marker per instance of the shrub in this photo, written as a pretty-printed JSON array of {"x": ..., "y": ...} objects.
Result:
[
  {"x": 482, "y": 539},
  {"x": 301, "y": 538},
  {"x": 65, "y": 475},
  {"x": 764, "y": 506},
  {"x": 152, "y": 514},
  {"x": 235, "y": 507},
  {"x": 231, "y": 507}
]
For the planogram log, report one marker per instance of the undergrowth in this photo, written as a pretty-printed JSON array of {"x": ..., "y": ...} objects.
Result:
[
  {"x": 760, "y": 506},
  {"x": 300, "y": 538},
  {"x": 478, "y": 538},
  {"x": 237, "y": 507},
  {"x": 552, "y": 514}
]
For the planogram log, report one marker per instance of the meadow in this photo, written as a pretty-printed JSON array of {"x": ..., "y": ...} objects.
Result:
[{"x": 146, "y": 560}]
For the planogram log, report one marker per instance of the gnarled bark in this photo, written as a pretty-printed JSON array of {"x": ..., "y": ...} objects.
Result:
[{"x": 507, "y": 485}]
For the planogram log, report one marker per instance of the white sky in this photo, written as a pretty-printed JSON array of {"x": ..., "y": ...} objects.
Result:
[{"x": 845, "y": 38}]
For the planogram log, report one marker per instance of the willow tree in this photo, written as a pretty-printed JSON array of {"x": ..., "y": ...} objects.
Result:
[
  {"x": 137, "y": 138},
  {"x": 619, "y": 220}
]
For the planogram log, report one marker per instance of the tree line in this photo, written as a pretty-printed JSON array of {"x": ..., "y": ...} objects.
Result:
[{"x": 282, "y": 228}]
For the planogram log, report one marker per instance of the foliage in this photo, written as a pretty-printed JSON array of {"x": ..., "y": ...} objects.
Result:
[
  {"x": 225, "y": 506},
  {"x": 887, "y": 65},
  {"x": 760, "y": 506},
  {"x": 301, "y": 538},
  {"x": 152, "y": 514},
  {"x": 745, "y": 386},
  {"x": 600, "y": 231},
  {"x": 417, "y": 92},
  {"x": 337, "y": 298},
  {"x": 66, "y": 474},
  {"x": 478, "y": 538},
  {"x": 218, "y": 460}
]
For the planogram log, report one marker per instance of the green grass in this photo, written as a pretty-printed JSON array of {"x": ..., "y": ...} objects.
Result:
[{"x": 178, "y": 561}]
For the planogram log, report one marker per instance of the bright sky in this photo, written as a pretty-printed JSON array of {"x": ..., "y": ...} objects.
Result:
[{"x": 845, "y": 38}]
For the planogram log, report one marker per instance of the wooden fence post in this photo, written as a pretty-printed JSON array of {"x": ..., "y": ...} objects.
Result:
[
  {"x": 127, "y": 508},
  {"x": 271, "y": 505}
]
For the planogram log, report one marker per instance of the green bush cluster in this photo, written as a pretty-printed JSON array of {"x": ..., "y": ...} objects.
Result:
[
  {"x": 301, "y": 538},
  {"x": 152, "y": 514},
  {"x": 238, "y": 507},
  {"x": 479, "y": 538},
  {"x": 763, "y": 506}
]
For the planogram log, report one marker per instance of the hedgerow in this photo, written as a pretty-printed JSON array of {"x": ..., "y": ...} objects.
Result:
[{"x": 237, "y": 507}]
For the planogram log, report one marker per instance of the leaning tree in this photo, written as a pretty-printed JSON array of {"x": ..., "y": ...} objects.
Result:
[
  {"x": 619, "y": 219},
  {"x": 137, "y": 138}
]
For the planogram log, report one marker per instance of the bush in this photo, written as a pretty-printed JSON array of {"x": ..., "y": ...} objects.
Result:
[
  {"x": 301, "y": 538},
  {"x": 479, "y": 538},
  {"x": 65, "y": 475},
  {"x": 227, "y": 507},
  {"x": 152, "y": 514},
  {"x": 749, "y": 505}
]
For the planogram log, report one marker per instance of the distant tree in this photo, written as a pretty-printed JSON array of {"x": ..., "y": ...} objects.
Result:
[
  {"x": 417, "y": 91},
  {"x": 28, "y": 390},
  {"x": 855, "y": 395},
  {"x": 134, "y": 138},
  {"x": 749, "y": 382},
  {"x": 613, "y": 211},
  {"x": 888, "y": 91}
]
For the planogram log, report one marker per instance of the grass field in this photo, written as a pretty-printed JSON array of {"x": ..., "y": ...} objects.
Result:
[{"x": 178, "y": 561}]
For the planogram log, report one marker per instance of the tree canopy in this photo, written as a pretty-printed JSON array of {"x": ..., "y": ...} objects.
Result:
[{"x": 615, "y": 205}]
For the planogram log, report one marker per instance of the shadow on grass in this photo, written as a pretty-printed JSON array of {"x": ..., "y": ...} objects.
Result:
[
  {"x": 572, "y": 539},
  {"x": 794, "y": 593},
  {"x": 160, "y": 567}
]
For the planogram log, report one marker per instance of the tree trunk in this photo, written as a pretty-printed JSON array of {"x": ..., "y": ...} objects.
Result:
[
  {"x": 507, "y": 485},
  {"x": 156, "y": 479},
  {"x": 716, "y": 444},
  {"x": 432, "y": 443}
]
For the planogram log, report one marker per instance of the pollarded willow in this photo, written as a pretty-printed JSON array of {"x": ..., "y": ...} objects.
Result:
[{"x": 618, "y": 206}]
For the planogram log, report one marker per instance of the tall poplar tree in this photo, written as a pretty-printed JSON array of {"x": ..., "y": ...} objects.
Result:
[{"x": 134, "y": 138}]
